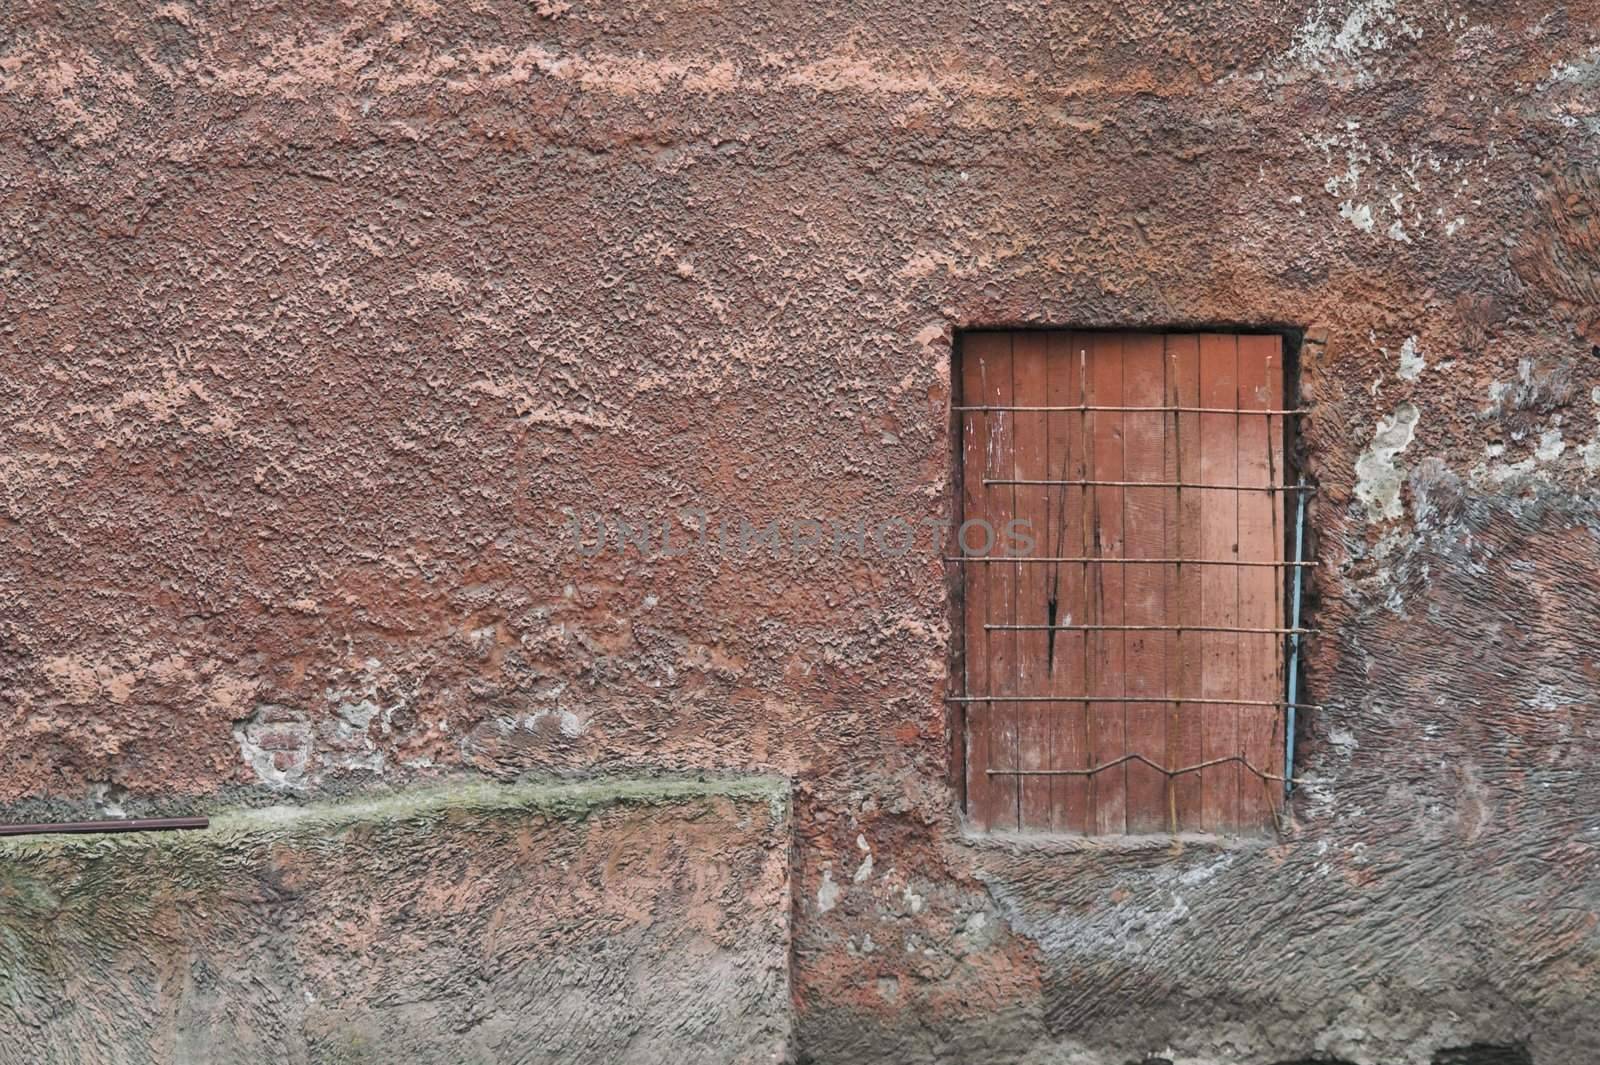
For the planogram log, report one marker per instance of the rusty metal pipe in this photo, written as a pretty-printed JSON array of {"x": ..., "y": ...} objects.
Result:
[{"x": 126, "y": 824}]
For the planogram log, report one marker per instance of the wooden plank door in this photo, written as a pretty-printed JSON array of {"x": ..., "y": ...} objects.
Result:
[{"x": 1102, "y": 669}]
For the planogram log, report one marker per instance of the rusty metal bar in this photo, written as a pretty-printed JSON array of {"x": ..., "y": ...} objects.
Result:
[
  {"x": 1302, "y": 488},
  {"x": 1206, "y": 701},
  {"x": 1129, "y": 561},
  {"x": 1128, "y": 410},
  {"x": 1163, "y": 770},
  {"x": 126, "y": 824},
  {"x": 1149, "y": 628}
]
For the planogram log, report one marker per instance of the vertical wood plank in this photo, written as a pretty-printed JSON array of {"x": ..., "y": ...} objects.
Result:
[
  {"x": 1185, "y": 745},
  {"x": 1260, "y": 540},
  {"x": 1032, "y": 462},
  {"x": 1107, "y": 720},
  {"x": 977, "y": 357},
  {"x": 1219, "y": 585},
  {"x": 1069, "y": 739},
  {"x": 1145, "y": 603},
  {"x": 999, "y": 508}
]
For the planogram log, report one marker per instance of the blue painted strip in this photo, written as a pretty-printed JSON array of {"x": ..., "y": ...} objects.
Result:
[{"x": 1294, "y": 644}]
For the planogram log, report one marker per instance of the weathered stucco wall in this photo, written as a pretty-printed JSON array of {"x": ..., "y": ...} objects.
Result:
[{"x": 321, "y": 321}]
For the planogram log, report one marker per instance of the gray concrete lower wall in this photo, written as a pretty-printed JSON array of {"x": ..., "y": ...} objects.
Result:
[{"x": 635, "y": 921}]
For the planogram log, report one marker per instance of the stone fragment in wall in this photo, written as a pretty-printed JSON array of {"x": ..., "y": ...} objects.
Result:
[
  {"x": 275, "y": 743},
  {"x": 345, "y": 742}
]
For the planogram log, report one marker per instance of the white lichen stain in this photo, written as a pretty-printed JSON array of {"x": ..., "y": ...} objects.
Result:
[
  {"x": 864, "y": 870},
  {"x": 1358, "y": 215},
  {"x": 1411, "y": 361},
  {"x": 1206, "y": 871},
  {"x": 1496, "y": 472},
  {"x": 914, "y": 902},
  {"x": 1323, "y": 44},
  {"x": 1591, "y": 450},
  {"x": 828, "y": 893},
  {"x": 1550, "y": 445},
  {"x": 1378, "y": 180},
  {"x": 1584, "y": 72},
  {"x": 1392, "y": 544},
  {"x": 1377, "y": 477},
  {"x": 1343, "y": 739}
]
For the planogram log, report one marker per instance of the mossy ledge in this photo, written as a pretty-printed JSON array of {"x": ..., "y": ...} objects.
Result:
[{"x": 460, "y": 804}]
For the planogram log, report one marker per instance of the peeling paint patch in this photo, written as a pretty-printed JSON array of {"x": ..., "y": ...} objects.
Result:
[{"x": 1377, "y": 477}]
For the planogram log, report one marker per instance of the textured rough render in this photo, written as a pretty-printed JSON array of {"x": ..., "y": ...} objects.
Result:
[
  {"x": 487, "y": 923},
  {"x": 323, "y": 321}
]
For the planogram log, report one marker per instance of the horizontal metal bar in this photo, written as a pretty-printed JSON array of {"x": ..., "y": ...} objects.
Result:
[
  {"x": 1146, "y": 628},
  {"x": 1091, "y": 409},
  {"x": 127, "y": 824},
  {"x": 1128, "y": 561},
  {"x": 1153, "y": 484},
  {"x": 1124, "y": 699},
  {"x": 1196, "y": 767}
]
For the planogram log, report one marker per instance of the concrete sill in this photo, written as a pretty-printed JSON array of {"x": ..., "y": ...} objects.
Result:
[{"x": 1050, "y": 843}]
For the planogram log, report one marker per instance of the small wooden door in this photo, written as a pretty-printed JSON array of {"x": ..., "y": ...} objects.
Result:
[{"x": 1126, "y": 673}]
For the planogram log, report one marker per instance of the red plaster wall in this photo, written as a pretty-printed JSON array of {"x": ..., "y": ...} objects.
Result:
[{"x": 320, "y": 321}]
